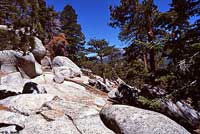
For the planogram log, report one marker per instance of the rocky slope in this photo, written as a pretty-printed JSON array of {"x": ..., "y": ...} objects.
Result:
[{"x": 59, "y": 97}]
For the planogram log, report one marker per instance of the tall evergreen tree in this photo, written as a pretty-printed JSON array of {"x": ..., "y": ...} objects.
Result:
[
  {"x": 102, "y": 49},
  {"x": 136, "y": 20},
  {"x": 72, "y": 30},
  {"x": 15, "y": 15},
  {"x": 28, "y": 17},
  {"x": 183, "y": 48}
]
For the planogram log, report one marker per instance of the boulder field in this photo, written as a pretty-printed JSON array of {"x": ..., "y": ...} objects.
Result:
[{"x": 65, "y": 99}]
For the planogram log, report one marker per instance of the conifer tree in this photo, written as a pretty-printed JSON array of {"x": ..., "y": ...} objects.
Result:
[
  {"x": 136, "y": 20},
  {"x": 72, "y": 30},
  {"x": 28, "y": 17},
  {"x": 102, "y": 49}
]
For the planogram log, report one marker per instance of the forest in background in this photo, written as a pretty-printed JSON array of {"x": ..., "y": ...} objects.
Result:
[{"x": 163, "y": 48}]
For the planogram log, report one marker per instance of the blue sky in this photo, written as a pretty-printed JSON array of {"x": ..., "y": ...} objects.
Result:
[{"x": 93, "y": 15}]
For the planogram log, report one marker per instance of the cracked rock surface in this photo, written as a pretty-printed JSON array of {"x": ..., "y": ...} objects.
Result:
[
  {"x": 72, "y": 106},
  {"x": 67, "y": 108}
]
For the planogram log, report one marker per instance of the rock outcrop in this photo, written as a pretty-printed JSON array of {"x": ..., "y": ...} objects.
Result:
[
  {"x": 29, "y": 66},
  {"x": 179, "y": 111},
  {"x": 12, "y": 61},
  {"x": 128, "y": 120},
  {"x": 64, "y": 67},
  {"x": 62, "y": 99},
  {"x": 60, "y": 61},
  {"x": 11, "y": 85},
  {"x": 8, "y": 61},
  {"x": 39, "y": 50},
  {"x": 69, "y": 106}
]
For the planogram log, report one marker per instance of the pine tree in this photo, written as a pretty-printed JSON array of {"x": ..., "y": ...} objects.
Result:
[
  {"x": 136, "y": 21},
  {"x": 28, "y": 17},
  {"x": 182, "y": 48},
  {"x": 14, "y": 14},
  {"x": 102, "y": 49},
  {"x": 72, "y": 30}
]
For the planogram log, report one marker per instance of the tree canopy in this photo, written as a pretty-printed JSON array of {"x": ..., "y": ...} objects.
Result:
[{"x": 72, "y": 31}]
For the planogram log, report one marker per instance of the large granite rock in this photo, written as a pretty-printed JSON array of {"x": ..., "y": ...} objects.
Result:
[
  {"x": 13, "y": 61},
  {"x": 12, "y": 80},
  {"x": 37, "y": 124},
  {"x": 8, "y": 61},
  {"x": 128, "y": 120},
  {"x": 10, "y": 85},
  {"x": 66, "y": 67},
  {"x": 11, "y": 122},
  {"x": 39, "y": 50},
  {"x": 26, "y": 104},
  {"x": 29, "y": 66},
  {"x": 84, "y": 115},
  {"x": 59, "y": 61},
  {"x": 75, "y": 113}
]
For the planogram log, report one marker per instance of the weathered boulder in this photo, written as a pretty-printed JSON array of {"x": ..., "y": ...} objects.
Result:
[
  {"x": 26, "y": 103},
  {"x": 11, "y": 122},
  {"x": 12, "y": 61},
  {"x": 37, "y": 124},
  {"x": 84, "y": 115},
  {"x": 29, "y": 65},
  {"x": 59, "y": 61},
  {"x": 45, "y": 78},
  {"x": 8, "y": 61},
  {"x": 10, "y": 85},
  {"x": 129, "y": 120},
  {"x": 92, "y": 124},
  {"x": 39, "y": 50},
  {"x": 67, "y": 72},
  {"x": 68, "y": 90},
  {"x": 13, "y": 80},
  {"x": 66, "y": 67}
]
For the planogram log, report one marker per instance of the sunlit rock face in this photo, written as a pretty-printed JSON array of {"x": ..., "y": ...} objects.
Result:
[
  {"x": 65, "y": 100},
  {"x": 128, "y": 120}
]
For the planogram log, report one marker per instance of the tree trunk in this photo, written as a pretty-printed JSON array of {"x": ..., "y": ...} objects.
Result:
[
  {"x": 145, "y": 61},
  {"x": 151, "y": 37}
]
